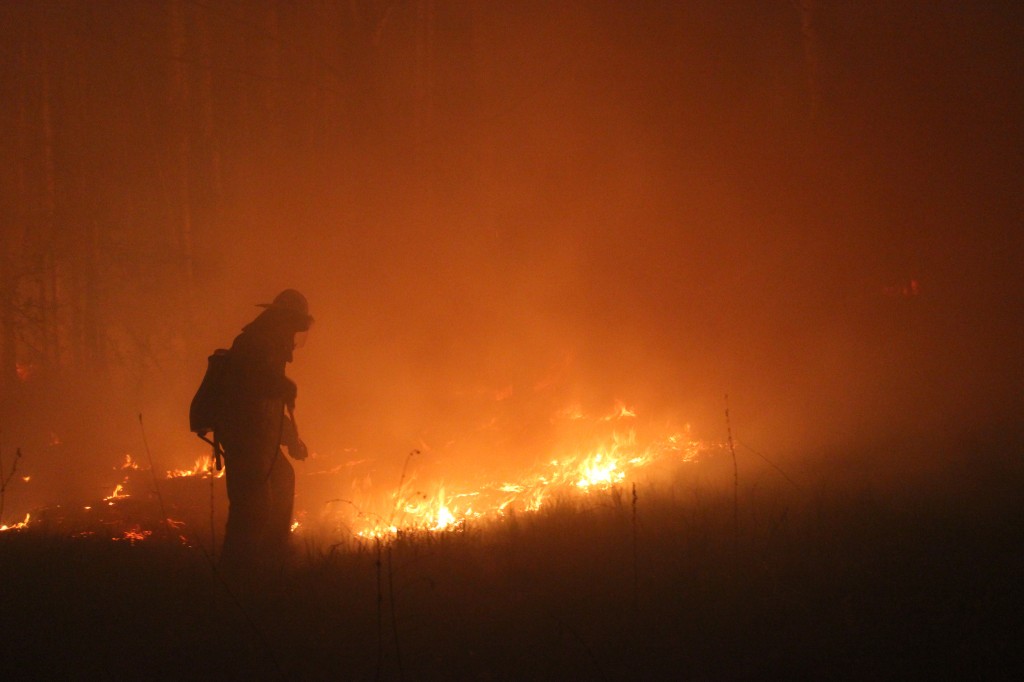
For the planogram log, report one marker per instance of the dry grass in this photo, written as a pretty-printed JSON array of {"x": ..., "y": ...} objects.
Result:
[{"x": 844, "y": 581}]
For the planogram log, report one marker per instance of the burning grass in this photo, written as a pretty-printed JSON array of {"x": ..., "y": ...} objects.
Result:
[
  {"x": 594, "y": 453},
  {"x": 835, "y": 581}
]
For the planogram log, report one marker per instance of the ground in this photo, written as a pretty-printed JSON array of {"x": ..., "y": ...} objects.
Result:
[{"x": 844, "y": 581}]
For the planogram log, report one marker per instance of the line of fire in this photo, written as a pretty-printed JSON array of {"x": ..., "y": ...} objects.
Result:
[{"x": 602, "y": 453}]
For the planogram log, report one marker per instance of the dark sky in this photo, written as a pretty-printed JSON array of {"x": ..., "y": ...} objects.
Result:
[{"x": 657, "y": 202}]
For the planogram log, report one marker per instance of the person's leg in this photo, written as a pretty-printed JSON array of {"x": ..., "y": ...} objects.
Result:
[
  {"x": 282, "y": 501},
  {"x": 248, "y": 506}
]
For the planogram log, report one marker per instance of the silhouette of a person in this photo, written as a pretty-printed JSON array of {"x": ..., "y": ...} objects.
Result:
[{"x": 259, "y": 419}]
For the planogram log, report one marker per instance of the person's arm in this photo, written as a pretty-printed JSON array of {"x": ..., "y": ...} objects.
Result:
[{"x": 290, "y": 437}]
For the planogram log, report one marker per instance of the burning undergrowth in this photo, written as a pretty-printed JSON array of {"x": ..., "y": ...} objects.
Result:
[
  {"x": 178, "y": 505},
  {"x": 835, "y": 581},
  {"x": 586, "y": 454},
  {"x": 569, "y": 571}
]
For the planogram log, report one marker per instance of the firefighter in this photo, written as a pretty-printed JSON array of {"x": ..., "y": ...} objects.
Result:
[{"x": 258, "y": 420}]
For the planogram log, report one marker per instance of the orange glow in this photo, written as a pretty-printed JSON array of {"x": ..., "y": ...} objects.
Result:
[
  {"x": 905, "y": 289},
  {"x": 613, "y": 458},
  {"x": 202, "y": 468},
  {"x": 24, "y": 371},
  {"x": 118, "y": 494},
  {"x": 135, "y": 534},
  {"x": 17, "y": 526}
]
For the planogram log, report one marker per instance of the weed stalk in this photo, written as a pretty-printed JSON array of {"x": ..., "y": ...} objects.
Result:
[
  {"x": 5, "y": 480},
  {"x": 735, "y": 477},
  {"x": 380, "y": 612},
  {"x": 156, "y": 483},
  {"x": 394, "y": 619},
  {"x": 636, "y": 572}
]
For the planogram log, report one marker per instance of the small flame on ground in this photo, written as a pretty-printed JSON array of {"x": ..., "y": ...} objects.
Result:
[
  {"x": 17, "y": 526},
  {"x": 118, "y": 494},
  {"x": 202, "y": 467},
  {"x": 135, "y": 534}
]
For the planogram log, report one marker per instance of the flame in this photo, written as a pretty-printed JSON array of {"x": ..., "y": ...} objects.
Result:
[
  {"x": 591, "y": 453},
  {"x": 135, "y": 534},
  {"x": 597, "y": 470},
  {"x": 118, "y": 494},
  {"x": 17, "y": 526},
  {"x": 607, "y": 462},
  {"x": 620, "y": 412},
  {"x": 432, "y": 513},
  {"x": 202, "y": 467}
]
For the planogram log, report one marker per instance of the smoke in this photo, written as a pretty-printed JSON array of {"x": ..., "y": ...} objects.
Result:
[
  {"x": 647, "y": 213},
  {"x": 606, "y": 202}
]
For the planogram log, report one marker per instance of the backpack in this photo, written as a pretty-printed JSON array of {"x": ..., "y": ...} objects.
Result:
[{"x": 207, "y": 409}]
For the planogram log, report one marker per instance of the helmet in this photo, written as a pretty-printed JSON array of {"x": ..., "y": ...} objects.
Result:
[
  {"x": 293, "y": 302},
  {"x": 290, "y": 300}
]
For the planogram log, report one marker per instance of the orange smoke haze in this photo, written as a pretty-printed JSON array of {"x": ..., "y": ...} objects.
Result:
[{"x": 515, "y": 209}]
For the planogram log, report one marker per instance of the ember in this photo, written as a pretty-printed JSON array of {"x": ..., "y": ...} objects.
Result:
[
  {"x": 139, "y": 507},
  {"x": 135, "y": 534}
]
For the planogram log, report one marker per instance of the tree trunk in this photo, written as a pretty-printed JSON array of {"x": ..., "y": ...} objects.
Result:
[
  {"x": 812, "y": 55},
  {"x": 46, "y": 279},
  {"x": 180, "y": 105},
  {"x": 209, "y": 140}
]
